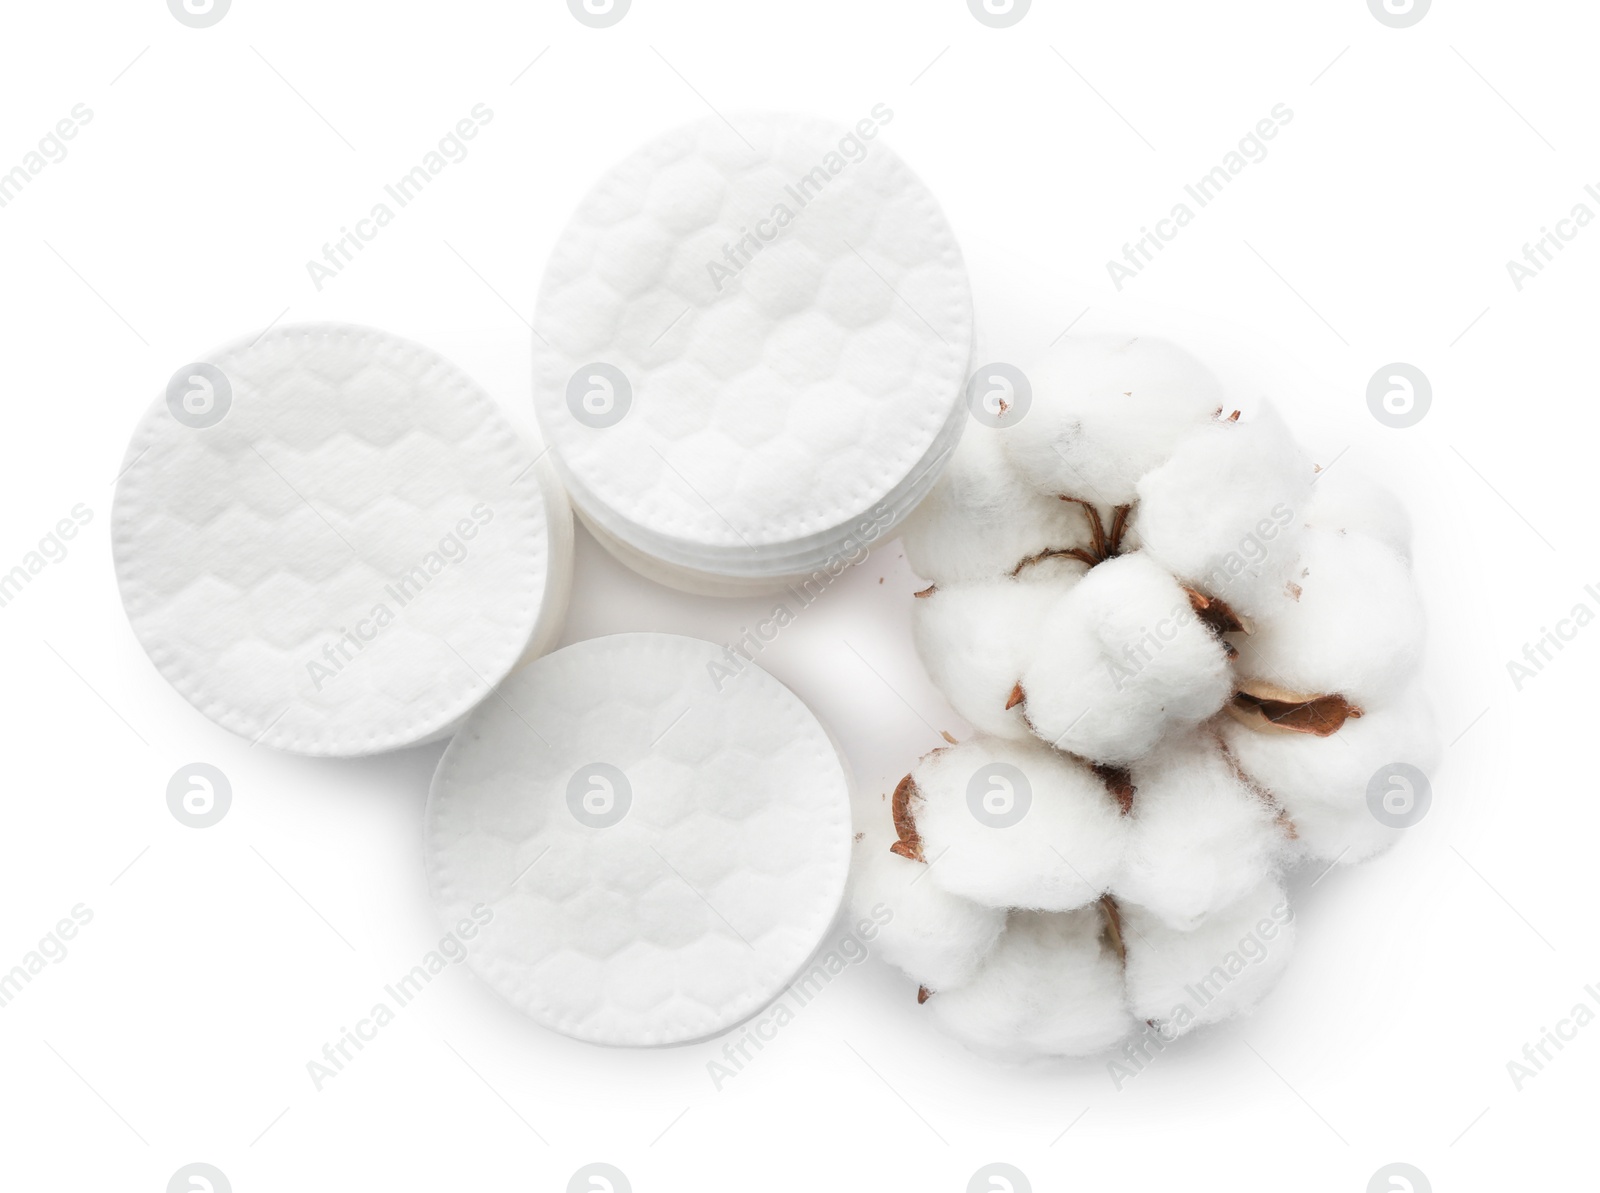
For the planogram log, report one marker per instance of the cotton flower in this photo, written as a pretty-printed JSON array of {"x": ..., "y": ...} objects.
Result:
[
  {"x": 1353, "y": 623},
  {"x": 1200, "y": 834},
  {"x": 1183, "y": 980},
  {"x": 1324, "y": 784},
  {"x": 1346, "y": 500},
  {"x": 981, "y": 519},
  {"x": 1225, "y": 511},
  {"x": 1122, "y": 660},
  {"x": 1011, "y": 824},
  {"x": 1052, "y": 986},
  {"x": 1189, "y": 661},
  {"x": 975, "y": 639},
  {"x": 940, "y": 937},
  {"x": 1106, "y": 410}
]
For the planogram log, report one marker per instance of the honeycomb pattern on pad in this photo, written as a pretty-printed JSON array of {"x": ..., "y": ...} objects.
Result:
[
  {"x": 702, "y": 901},
  {"x": 781, "y": 386},
  {"x": 297, "y": 570}
]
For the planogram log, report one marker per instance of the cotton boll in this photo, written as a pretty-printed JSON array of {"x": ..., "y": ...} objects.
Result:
[
  {"x": 1015, "y": 824},
  {"x": 974, "y": 641},
  {"x": 979, "y": 521},
  {"x": 1322, "y": 783},
  {"x": 937, "y": 938},
  {"x": 1052, "y": 986},
  {"x": 1353, "y": 625},
  {"x": 1121, "y": 661},
  {"x": 1106, "y": 410},
  {"x": 1199, "y": 837},
  {"x": 1225, "y": 513},
  {"x": 1345, "y": 499},
  {"x": 1182, "y": 980}
]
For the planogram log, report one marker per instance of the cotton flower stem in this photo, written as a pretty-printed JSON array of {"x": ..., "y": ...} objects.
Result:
[
  {"x": 1097, "y": 529},
  {"x": 1119, "y": 525},
  {"x": 1077, "y": 553},
  {"x": 1103, "y": 545}
]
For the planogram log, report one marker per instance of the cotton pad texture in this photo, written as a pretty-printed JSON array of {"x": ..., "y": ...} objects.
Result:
[
  {"x": 752, "y": 343},
  {"x": 331, "y": 541},
  {"x": 1190, "y": 661},
  {"x": 660, "y": 845}
]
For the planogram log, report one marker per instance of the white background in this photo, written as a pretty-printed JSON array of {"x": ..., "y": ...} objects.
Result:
[{"x": 219, "y": 962}]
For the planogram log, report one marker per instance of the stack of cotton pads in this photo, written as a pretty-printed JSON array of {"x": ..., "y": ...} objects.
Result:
[
  {"x": 751, "y": 347},
  {"x": 331, "y": 541},
  {"x": 653, "y": 853},
  {"x": 1191, "y": 662}
]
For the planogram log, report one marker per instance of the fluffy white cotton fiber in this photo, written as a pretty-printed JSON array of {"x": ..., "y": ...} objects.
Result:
[
  {"x": 938, "y": 937},
  {"x": 975, "y": 639},
  {"x": 1106, "y": 410},
  {"x": 1224, "y": 513},
  {"x": 1199, "y": 836},
  {"x": 1016, "y": 824},
  {"x": 1195, "y": 674},
  {"x": 1122, "y": 660},
  {"x": 1182, "y": 980},
  {"x": 1354, "y": 624},
  {"x": 1323, "y": 783},
  {"x": 1346, "y": 499},
  {"x": 1051, "y": 987},
  {"x": 981, "y": 520}
]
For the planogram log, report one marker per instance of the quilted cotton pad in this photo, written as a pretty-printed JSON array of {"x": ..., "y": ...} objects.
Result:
[
  {"x": 751, "y": 338},
  {"x": 330, "y": 540},
  {"x": 660, "y": 852}
]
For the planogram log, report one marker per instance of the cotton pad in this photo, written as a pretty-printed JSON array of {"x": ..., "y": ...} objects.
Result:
[
  {"x": 752, "y": 342},
  {"x": 662, "y": 844},
  {"x": 329, "y": 540}
]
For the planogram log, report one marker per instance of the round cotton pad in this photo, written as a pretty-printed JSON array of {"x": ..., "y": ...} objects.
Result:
[
  {"x": 656, "y": 841},
  {"x": 331, "y": 541},
  {"x": 752, "y": 338}
]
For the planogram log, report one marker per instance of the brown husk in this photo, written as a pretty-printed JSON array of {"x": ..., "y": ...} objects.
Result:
[
  {"x": 909, "y": 844},
  {"x": 1118, "y": 781},
  {"x": 1268, "y": 708},
  {"x": 1113, "y": 914}
]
